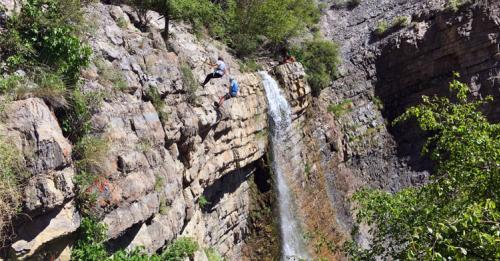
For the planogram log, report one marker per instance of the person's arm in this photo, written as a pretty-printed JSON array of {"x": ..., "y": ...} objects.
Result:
[{"x": 211, "y": 64}]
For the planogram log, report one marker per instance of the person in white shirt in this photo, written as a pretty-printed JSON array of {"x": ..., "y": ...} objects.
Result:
[{"x": 220, "y": 70}]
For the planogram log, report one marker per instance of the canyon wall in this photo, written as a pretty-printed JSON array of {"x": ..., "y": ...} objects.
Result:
[
  {"x": 183, "y": 168},
  {"x": 381, "y": 75}
]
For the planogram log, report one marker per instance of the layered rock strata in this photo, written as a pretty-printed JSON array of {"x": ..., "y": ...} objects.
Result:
[
  {"x": 381, "y": 75},
  {"x": 163, "y": 161}
]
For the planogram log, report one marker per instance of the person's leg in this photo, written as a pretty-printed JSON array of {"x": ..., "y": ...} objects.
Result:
[
  {"x": 208, "y": 78},
  {"x": 223, "y": 98}
]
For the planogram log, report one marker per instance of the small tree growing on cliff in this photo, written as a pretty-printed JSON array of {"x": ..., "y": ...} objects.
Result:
[
  {"x": 197, "y": 12},
  {"x": 457, "y": 214},
  {"x": 320, "y": 58}
]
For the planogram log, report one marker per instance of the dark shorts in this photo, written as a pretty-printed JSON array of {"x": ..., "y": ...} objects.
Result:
[
  {"x": 230, "y": 95},
  {"x": 216, "y": 75}
]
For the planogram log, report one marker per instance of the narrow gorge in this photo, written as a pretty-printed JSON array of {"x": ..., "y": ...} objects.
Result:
[{"x": 271, "y": 174}]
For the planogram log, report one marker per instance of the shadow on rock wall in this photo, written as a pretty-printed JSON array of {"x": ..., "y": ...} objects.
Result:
[{"x": 421, "y": 60}]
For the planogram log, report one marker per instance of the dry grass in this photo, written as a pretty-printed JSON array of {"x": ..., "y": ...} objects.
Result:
[{"x": 11, "y": 175}]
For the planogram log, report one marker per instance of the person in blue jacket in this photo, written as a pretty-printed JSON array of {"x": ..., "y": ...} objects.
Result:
[{"x": 234, "y": 88}]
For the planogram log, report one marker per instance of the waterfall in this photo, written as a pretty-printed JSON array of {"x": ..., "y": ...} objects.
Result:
[{"x": 293, "y": 247}]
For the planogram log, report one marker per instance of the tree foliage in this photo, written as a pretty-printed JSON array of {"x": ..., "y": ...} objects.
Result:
[
  {"x": 44, "y": 34},
  {"x": 321, "y": 59},
  {"x": 243, "y": 24},
  {"x": 90, "y": 247},
  {"x": 456, "y": 215},
  {"x": 274, "y": 21}
]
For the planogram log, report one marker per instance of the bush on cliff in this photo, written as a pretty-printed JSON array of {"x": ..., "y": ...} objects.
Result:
[
  {"x": 44, "y": 34},
  {"x": 320, "y": 59},
  {"x": 90, "y": 247},
  {"x": 457, "y": 214}
]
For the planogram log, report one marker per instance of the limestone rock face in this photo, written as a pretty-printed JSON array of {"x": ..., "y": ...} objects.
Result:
[
  {"x": 54, "y": 225},
  {"x": 380, "y": 76},
  {"x": 161, "y": 160},
  {"x": 166, "y": 150},
  {"x": 33, "y": 127}
]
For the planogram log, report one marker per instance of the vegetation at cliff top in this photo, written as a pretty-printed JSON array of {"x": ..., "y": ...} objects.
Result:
[
  {"x": 457, "y": 214},
  {"x": 44, "y": 35},
  {"x": 243, "y": 25},
  {"x": 253, "y": 26},
  {"x": 90, "y": 247}
]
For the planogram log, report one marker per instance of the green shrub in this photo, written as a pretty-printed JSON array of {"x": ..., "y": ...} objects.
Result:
[
  {"x": 213, "y": 255},
  {"x": 163, "y": 209},
  {"x": 320, "y": 59},
  {"x": 199, "y": 13},
  {"x": 91, "y": 236},
  {"x": 89, "y": 155},
  {"x": 244, "y": 25},
  {"x": 76, "y": 120},
  {"x": 90, "y": 152},
  {"x": 400, "y": 21},
  {"x": 250, "y": 65},
  {"x": 307, "y": 170},
  {"x": 382, "y": 27},
  {"x": 245, "y": 44},
  {"x": 43, "y": 34},
  {"x": 454, "y": 5},
  {"x": 89, "y": 245},
  {"x": 378, "y": 102},
  {"x": 189, "y": 83},
  {"x": 110, "y": 76},
  {"x": 154, "y": 96},
  {"x": 11, "y": 83},
  {"x": 203, "y": 202},
  {"x": 43, "y": 84},
  {"x": 121, "y": 22},
  {"x": 51, "y": 88},
  {"x": 274, "y": 20},
  {"x": 159, "y": 183},
  {"x": 340, "y": 109},
  {"x": 180, "y": 249}
]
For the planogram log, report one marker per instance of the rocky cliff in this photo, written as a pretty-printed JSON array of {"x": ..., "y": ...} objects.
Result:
[
  {"x": 163, "y": 159},
  {"x": 175, "y": 166},
  {"x": 384, "y": 73}
]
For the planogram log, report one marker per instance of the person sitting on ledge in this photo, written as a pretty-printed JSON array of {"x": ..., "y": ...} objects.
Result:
[{"x": 234, "y": 88}]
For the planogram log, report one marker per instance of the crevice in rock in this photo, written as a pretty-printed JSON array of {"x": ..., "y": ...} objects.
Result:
[
  {"x": 228, "y": 184},
  {"x": 262, "y": 239},
  {"x": 124, "y": 240}
]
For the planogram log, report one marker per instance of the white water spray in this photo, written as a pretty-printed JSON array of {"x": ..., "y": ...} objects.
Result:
[{"x": 280, "y": 121}]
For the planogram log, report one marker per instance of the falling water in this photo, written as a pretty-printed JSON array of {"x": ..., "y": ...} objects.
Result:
[{"x": 281, "y": 131}]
